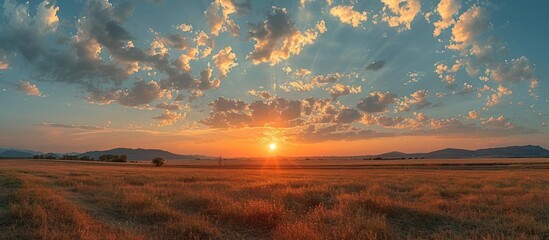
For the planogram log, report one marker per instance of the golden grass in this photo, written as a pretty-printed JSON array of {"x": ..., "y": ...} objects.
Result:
[{"x": 55, "y": 200}]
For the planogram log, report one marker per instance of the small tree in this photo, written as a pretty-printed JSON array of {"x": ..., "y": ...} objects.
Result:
[{"x": 158, "y": 161}]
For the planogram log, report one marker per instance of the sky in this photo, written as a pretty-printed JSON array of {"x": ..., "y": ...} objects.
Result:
[{"x": 314, "y": 77}]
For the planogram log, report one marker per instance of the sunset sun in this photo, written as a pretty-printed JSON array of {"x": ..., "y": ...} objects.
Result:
[{"x": 272, "y": 146}]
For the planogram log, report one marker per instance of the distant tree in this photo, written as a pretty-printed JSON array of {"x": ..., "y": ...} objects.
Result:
[
  {"x": 158, "y": 161},
  {"x": 113, "y": 158}
]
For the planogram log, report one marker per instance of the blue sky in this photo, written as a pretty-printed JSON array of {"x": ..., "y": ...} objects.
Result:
[{"x": 347, "y": 77}]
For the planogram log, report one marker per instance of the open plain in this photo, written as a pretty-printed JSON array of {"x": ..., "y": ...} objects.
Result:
[{"x": 276, "y": 199}]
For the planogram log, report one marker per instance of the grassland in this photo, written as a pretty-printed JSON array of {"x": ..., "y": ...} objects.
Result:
[{"x": 73, "y": 200}]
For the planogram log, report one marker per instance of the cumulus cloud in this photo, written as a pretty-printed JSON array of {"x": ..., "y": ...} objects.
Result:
[
  {"x": 348, "y": 115},
  {"x": 473, "y": 114},
  {"x": 168, "y": 118},
  {"x": 223, "y": 104},
  {"x": 447, "y": 73},
  {"x": 29, "y": 88},
  {"x": 400, "y": 13},
  {"x": 311, "y": 82},
  {"x": 516, "y": 70},
  {"x": 185, "y": 27},
  {"x": 169, "y": 106},
  {"x": 470, "y": 25},
  {"x": 224, "y": 60},
  {"x": 495, "y": 98},
  {"x": 375, "y": 66},
  {"x": 142, "y": 92},
  {"x": 334, "y": 132},
  {"x": 277, "y": 112},
  {"x": 276, "y": 38},
  {"x": 499, "y": 122},
  {"x": 347, "y": 14},
  {"x": 418, "y": 100},
  {"x": 261, "y": 94},
  {"x": 342, "y": 90},
  {"x": 219, "y": 12},
  {"x": 446, "y": 9},
  {"x": 376, "y": 102}
]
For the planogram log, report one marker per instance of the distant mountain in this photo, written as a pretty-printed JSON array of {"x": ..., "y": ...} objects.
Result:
[
  {"x": 15, "y": 154},
  {"x": 528, "y": 151},
  {"x": 20, "y": 150},
  {"x": 140, "y": 154}
]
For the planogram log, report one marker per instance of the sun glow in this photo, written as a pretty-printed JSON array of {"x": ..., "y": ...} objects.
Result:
[{"x": 272, "y": 146}]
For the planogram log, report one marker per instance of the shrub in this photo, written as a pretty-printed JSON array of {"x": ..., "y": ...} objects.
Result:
[{"x": 158, "y": 161}]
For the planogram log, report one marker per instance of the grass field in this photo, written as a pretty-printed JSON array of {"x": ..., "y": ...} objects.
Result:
[{"x": 425, "y": 200}]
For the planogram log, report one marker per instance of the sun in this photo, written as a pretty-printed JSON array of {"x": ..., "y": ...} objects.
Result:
[{"x": 272, "y": 146}]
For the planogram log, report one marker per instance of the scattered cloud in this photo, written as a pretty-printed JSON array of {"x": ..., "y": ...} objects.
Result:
[
  {"x": 375, "y": 66},
  {"x": 376, "y": 102},
  {"x": 348, "y": 15},
  {"x": 29, "y": 88},
  {"x": 446, "y": 9},
  {"x": 276, "y": 38},
  {"x": 168, "y": 118},
  {"x": 470, "y": 25},
  {"x": 400, "y": 13},
  {"x": 224, "y": 60}
]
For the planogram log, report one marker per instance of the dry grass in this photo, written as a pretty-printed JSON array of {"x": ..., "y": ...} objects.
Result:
[{"x": 55, "y": 200}]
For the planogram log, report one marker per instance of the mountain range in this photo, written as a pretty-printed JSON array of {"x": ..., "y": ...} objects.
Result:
[
  {"x": 133, "y": 154},
  {"x": 528, "y": 151},
  {"x": 141, "y": 154}
]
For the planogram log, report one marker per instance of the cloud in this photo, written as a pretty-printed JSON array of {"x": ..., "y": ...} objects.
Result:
[
  {"x": 185, "y": 27},
  {"x": 218, "y": 15},
  {"x": 276, "y": 38},
  {"x": 316, "y": 81},
  {"x": 347, "y": 14},
  {"x": 473, "y": 114},
  {"x": 4, "y": 64},
  {"x": 169, "y": 106},
  {"x": 446, "y": 9},
  {"x": 223, "y": 104},
  {"x": 447, "y": 73},
  {"x": 261, "y": 94},
  {"x": 516, "y": 70},
  {"x": 375, "y": 66},
  {"x": 418, "y": 100},
  {"x": 400, "y": 13},
  {"x": 376, "y": 102},
  {"x": 276, "y": 112},
  {"x": 61, "y": 125},
  {"x": 101, "y": 56},
  {"x": 142, "y": 92},
  {"x": 224, "y": 60},
  {"x": 334, "y": 132},
  {"x": 303, "y": 72},
  {"x": 495, "y": 98},
  {"x": 342, "y": 90},
  {"x": 499, "y": 122},
  {"x": 29, "y": 88},
  {"x": 470, "y": 25},
  {"x": 348, "y": 115},
  {"x": 168, "y": 118}
]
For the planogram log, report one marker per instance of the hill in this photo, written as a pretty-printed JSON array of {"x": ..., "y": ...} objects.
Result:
[
  {"x": 528, "y": 151},
  {"x": 15, "y": 154},
  {"x": 140, "y": 154}
]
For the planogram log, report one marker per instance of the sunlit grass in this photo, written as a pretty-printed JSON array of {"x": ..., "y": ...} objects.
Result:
[{"x": 45, "y": 200}]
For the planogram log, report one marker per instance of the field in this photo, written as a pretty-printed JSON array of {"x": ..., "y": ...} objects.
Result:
[{"x": 419, "y": 199}]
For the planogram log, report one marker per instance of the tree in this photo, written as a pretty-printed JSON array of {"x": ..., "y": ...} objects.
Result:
[{"x": 158, "y": 161}]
